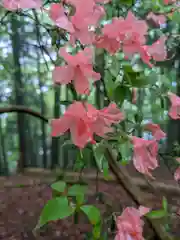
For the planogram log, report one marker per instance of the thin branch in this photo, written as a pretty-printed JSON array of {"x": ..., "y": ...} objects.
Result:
[
  {"x": 3, "y": 18},
  {"x": 21, "y": 109}
]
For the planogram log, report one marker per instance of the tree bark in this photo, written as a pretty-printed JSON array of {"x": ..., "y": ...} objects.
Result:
[
  {"x": 19, "y": 88},
  {"x": 55, "y": 140}
]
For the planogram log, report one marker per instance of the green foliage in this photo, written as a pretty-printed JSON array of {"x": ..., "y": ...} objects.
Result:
[
  {"x": 59, "y": 186},
  {"x": 101, "y": 161},
  {"x": 56, "y": 208},
  {"x": 175, "y": 17},
  {"x": 92, "y": 213},
  {"x": 125, "y": 150},
  {"x": 77, "y": 190},
  {"x": 121, "y": 93}
]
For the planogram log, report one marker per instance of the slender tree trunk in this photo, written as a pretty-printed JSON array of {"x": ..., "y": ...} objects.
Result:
[
  {"x": 31, "y": 141},
  {"x": 42, "y": 102},
  {"x": 4, "y": 163},
  {"x": 35, "y": 137},
  {"x": 55, "y": 140},
  {"x": 43, "y": 129},
  {"x": 19, "y": 95},
  {"x": 43, "y": 112}
]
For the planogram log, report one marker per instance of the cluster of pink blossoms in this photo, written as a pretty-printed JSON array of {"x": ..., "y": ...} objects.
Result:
[
  {"x": 81, "y": 118},
  {"x": 84, "y": 121}
]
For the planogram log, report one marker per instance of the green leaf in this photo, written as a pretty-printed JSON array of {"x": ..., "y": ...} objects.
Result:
[
  {"x": 128, "y": 68},
  {"x": 98, "y": 150},
  {"x": 140, "y": 81},
  {"x": 121, "y": 93},
  {"x": 165, "y": 204},
  {"x": 125, "y": 150},
  {"x": 79, "y": 164},
  {"x": 115, "y": 67},
  {"x": 80, "y": 199},
  {"x": 109, "y": 84},
  {"x": 176, "y": 17},
  {"x": 92, "y": 213},
  {"x": 156, "y": 214},
  {"x": 56, "y": 208},
  {"x": 59, "y": 186},
  {"x": 76, "y": 190}
]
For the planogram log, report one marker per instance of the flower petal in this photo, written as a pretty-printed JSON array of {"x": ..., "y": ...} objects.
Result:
[
  {"x": 62, "y": 74},
  {"x": 60, "y": 126},
  {"x": 79, "y": 134},
  {"x": 81, "y": 82}
]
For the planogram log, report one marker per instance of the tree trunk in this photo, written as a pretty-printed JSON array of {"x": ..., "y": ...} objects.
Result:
[
  {"x": 4, "y": 168},
  {"x": 55, "y": 140},
  {"x": 42, "y": 102},
  {"x": 19, "y": 95}
]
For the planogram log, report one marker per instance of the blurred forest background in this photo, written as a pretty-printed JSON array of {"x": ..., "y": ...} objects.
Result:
[{"x": 29, "y": 44}]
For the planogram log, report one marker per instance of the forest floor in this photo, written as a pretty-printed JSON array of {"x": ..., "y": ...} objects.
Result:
[{"x": 23, "y": 197}]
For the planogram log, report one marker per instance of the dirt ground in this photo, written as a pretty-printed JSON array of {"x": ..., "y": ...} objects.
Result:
[{"x": 20, "y": 208}]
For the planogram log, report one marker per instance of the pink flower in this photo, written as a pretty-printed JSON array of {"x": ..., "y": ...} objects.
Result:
[
  {"x": 13, "y": 5},
  {"x": 130, "y": 26},
  {"x": 157, "y": 19},
  {"x": 79, "y": 69},
  {"x": 83, "y": 121},
  {"x": 84, "y": 20},
  {"x": 156, "y": 130},
  {"x": 129, "y": 225},
  {"x": 75, "y": 119},
  {"x": 174, "y": 111},
  {"x": 157, "y": 50},
  {"x": 122, "y": 33},
  {"x": 109, "y": 40},
  {"x": 109, "y": 44},
  {"x": 145, "y": 155},
  {"x": 57, "y": 14},
  {"x": 78, "y": 25},
  {"x": 105, "y": 118}
]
